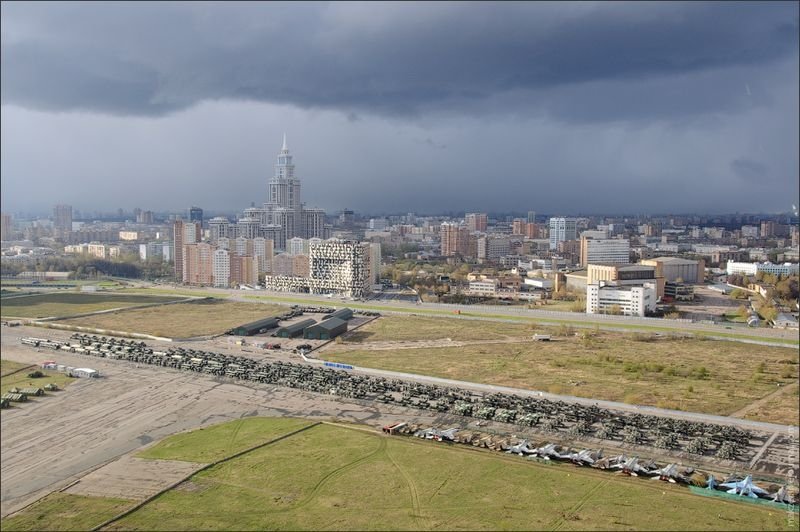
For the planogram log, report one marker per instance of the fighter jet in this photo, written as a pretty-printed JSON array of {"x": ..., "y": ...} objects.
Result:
[
  {"x": 745, "y": 488},
  {"x": 608, "y": 462},
  {"x": 445, "y": 435},
  {"x": 547, "y": 452},
  {"x": 585, "y": 457},
  {"x": 782, "y": 495},
  {"x": 632, "y": 467},
  {"x": 669, "y": 473},
  {"x": 522, "y": 448},
  {"x": 425, "y": 433}
]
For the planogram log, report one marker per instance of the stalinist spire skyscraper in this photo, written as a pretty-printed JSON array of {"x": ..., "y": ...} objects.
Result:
[{"x": 284, "y": 216}]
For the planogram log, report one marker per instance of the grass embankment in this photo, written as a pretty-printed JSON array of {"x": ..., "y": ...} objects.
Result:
[
  {"x": 70, "y": 303},
  {"x": 181, "y": 320},
  {"x": 335, "y": 478},
  {"x": 689, "y": 374},
  {"x": 20, "y": 379}
]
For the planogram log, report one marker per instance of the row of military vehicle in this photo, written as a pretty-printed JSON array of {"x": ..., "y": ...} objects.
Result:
[{"x": 545, "y": 415}]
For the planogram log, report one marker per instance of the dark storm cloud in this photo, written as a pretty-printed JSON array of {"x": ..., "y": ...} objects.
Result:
[
  {"x": 559, "y": 107},
  {"x": 574, "y": 61}
]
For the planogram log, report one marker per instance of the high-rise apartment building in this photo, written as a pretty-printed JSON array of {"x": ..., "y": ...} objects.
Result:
[
  {"x": 144, "y": 217},
  {"x": 455, "y": 239},
  {"x": 196, "y": 215},
  {"x": 531, "y": 217},
  {"x": 263, "y": 250},
  {"x": 521, "y": 227},
  {"x": 62, "y": 218},
  {"x": 219, "y": 227},
  {"x": 374, "y": 262},
  {"x": 222, "y": 268},
  {"x": 183, "y": 233},
  {"x": 767, "y": 229},
  {"x": 6, "y": 226},
  {"x": 562, "y": 229},
  {"x": 243, "y": 270},
  {"x": 295, "y": 246},
  {"x": 198, "y": 264},
  {"x": 476, "y": 221}
]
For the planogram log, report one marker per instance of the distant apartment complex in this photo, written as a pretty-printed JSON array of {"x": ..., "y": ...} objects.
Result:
[
  {"x": 62, "y": 218},
  {"x": 562, "y": 229},
  {"x": 455, "y": 239},
  {"x": 476, "y": 221}
]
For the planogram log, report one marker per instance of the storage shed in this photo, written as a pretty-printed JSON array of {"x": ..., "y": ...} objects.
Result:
[
  {"x": 85, "y": 372},
  {"x": 256, "y": 327},
  {"x": 342, "y": 314},
  {"x": 326, "y": 329},
  {"x": 294, "y": 330}
]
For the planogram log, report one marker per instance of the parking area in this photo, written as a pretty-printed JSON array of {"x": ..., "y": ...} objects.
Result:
[{"x": 709, "y": 304}]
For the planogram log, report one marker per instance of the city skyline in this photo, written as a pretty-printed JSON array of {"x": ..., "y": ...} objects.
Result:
[{"x": 559, "y": 108}]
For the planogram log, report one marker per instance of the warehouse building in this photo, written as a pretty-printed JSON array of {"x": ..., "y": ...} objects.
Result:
[
  {"x": 343, "y": 314},
  {"x": 294, "y": 330},
  {"x": 256, "y": 327},
  {"x": 675, "y": 269},
  {"x": 326, "y": 329}
]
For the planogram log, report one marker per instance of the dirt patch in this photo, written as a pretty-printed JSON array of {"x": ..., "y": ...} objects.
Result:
[
  {"x": 191, "y": 487},
  {"x": 133, "y": 478}
]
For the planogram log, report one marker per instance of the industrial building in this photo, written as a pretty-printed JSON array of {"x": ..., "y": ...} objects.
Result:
[
  {"x": 343, "y": 314},
  {"x": 326, "y": 329},
  {"x": 294, "y": 330},
  {"x": 678, "y": 292},
  {"x": 675, "y": 269},
  {"x": 256, "y": 327}
]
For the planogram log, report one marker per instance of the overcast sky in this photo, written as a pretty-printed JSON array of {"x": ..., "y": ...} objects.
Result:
[{"x": 425, "y": 107}]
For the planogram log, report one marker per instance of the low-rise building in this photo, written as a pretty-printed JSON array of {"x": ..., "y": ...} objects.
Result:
[
  {"x": 751, "y": 268},
  {"x": 606, "y": 298}
]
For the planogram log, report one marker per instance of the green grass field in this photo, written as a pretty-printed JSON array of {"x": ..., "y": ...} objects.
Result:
[
  {"x": 21, "y": 379},
  {"x": 9, "y": 366},
  {"x": 71, "y": 303},
  {"x": 393, "y": 328},
  {"x": 688, "y": 374},
  {"x": 182, "y": 320},
  {"x": 337, "y": 478},
  {"x": 213, "y": 443},
  {"x": 64, "y": 511}
]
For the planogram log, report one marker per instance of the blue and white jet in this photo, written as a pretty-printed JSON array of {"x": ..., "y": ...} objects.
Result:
[{"x": 745, "y": 488}]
